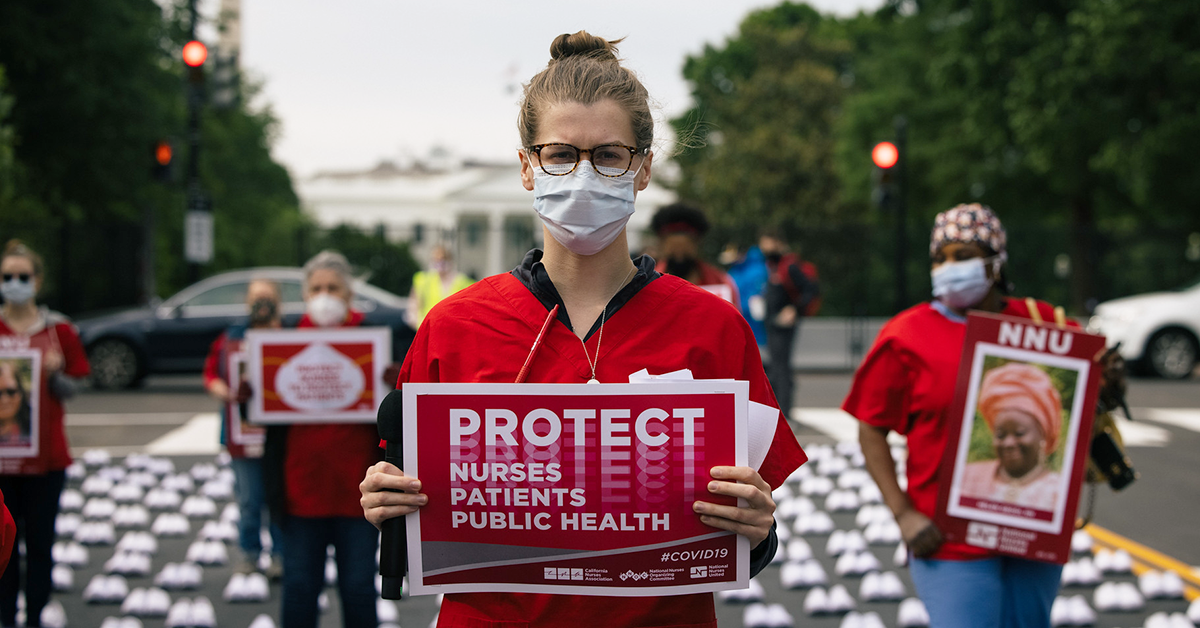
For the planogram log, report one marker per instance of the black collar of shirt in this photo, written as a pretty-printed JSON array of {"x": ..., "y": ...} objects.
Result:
[{"x": 532, "y": 273}]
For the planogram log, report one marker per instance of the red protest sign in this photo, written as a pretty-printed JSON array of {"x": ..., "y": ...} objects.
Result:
[
  {"x": 572, "y": 488},
  {"x": 317, "y": 375},
  {"x": 1019, "y": 434}
]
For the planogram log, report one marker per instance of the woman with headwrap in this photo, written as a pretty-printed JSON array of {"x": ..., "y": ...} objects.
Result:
[
  {"x": 1023, "y": 410},
  {"x": 906, "y": 384}
]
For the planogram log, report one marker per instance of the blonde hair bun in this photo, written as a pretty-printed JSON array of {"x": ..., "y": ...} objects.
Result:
[{"x": 583, "y": 44}]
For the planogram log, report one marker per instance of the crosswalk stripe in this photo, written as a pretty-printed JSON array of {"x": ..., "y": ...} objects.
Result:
[
  {"x": 132, "y": 418},
  {"x": 1186, "y": 418},
  {"x": 200, "y": 435}
]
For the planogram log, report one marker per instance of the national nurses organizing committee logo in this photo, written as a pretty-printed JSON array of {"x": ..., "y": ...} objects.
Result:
[{"x": 983, "y": 535}]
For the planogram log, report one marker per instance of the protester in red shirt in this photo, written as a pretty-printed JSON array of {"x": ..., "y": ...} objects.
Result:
[
  {"x": 31, "y": 485},
  {"x": 906, "y": 384},
  {"x": 311, "y": 474},
  {"x": 680, "y": 229},
  {"x": 587, "y": 131},
  {"x": 246, "y": 460}
]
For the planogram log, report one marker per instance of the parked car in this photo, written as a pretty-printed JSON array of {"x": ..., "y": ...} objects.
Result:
[
  {"x": 1159, "y": 332},
  {"x": 174, "y": 336}
]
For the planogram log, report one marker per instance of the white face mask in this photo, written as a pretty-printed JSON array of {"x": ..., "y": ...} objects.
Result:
[
  {"x": 326, "y": 310},
  {"x": 16, "y": 291},
  {"x": 584, "y": 211},
  {"x": 961, "y": 284}
]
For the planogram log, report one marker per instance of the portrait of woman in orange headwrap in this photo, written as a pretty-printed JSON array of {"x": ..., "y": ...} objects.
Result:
[{"x": 1023, "y": 410}]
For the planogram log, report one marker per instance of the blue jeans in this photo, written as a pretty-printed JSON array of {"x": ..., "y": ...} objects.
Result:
[
  {"x": 354, "y": 542},
  {"x": 248, "y": 478},
  {"x": 1001, "y": 592}
]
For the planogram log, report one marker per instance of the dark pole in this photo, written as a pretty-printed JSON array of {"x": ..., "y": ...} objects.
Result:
[
  {"x": 192, "y": 176},
  {"x": 901, "y": 125}
]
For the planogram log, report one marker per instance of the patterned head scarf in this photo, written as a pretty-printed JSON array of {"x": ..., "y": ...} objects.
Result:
[
  {"x": 970, "y": 224},
  {"x": 1026, "y": 388}
]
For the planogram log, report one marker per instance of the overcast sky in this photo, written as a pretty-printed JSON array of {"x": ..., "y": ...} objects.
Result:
[{"x": 356, "y": 81}]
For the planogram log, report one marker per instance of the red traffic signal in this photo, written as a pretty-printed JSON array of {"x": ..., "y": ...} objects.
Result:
[
  {"x": 162, "y": 153},
  {"x": 194, "y": 54},
  {"x": 885, "y": 155}
]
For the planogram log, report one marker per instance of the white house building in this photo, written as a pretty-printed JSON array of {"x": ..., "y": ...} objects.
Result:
[{"x": 479, "y": 211}]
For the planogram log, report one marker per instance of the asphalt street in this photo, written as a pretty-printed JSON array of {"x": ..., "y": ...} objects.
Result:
[{"x": 172, "y": 417}]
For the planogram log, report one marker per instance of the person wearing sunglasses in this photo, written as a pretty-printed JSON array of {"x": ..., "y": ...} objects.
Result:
[
  {"x": 31, "y": 484},
  {"x": 14, "y": 406},
  {"x": 586, "y": 133}
]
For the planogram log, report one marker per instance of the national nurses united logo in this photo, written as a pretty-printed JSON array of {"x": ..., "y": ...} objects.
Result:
[{"x": 700, "y": 571}]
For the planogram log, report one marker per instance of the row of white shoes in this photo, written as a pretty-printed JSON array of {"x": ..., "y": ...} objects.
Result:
[
  {"x": 130, "y": 564},
  {"x": 1114, "y": 562},
  {"x": 131, "y": 516},
  {"x": 816, "y": 486},
  {"x": 818, "y": 522},
  {"x": 842, "y": 500},
  {"x": 855, "y": 619},
  {"x": 883, "y": 533},
  {"x": 151, "y": 602},
  {"x": 130, "y": 491},
  {"x": 802, "y": 575},
  {"x": 102, "y": 589},
  {"x": 194, "y": 613},
  {"x": 1071, "y": 611},
  {"x": 207, "y": 553},
  {"x": 180, "y": 576},
  {"x": 214, "y": 530},
  {"x": 62, "y": 578},
  {"x": 1082, "y": 572},
  {"x": 53, "y": 615},
  {"x": 1118, "y": 597},
  {"x": 94, "y": 533},
  {"x": 121, "y": 622},
  {"x": 842, "y": 542},
  {"x": 881, "y": 587},
  {"x": 760, "y": 615},
  {"x": 142, "y": 542},
  {"x": 856, "y": 564},
  {"x": 797, "y": 549},
  {"x": 218, "y": 489},
  {"x": 792, "y": 507},
  {"x": 162, "y": 499},
  {"x": 836, "y": 600},
  {"x": 1162, "y": 619},
  {"x": 912, "y": 614},
  {"x": 854, "y": 478},
  {"x": 70, "y": 553},
  {"x": 752, "y": 593},
  {"x": 1164, "y": 585},
  {"x": 198, "y": 507},
  {"x": 1081, "y": 542},
  {"x": 171, "y": 524},
  {"x": 251, "y": 587}
]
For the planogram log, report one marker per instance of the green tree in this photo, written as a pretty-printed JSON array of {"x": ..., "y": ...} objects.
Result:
[{"x": 762, "y": 124}]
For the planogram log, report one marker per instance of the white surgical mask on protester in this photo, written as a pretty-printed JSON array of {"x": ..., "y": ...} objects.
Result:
[
  {"x": 326, "y": 310},
  {"x": 16, "y": 291},
  {"x": 584, "y": 211},
  {"x": 961, "y": 284}
]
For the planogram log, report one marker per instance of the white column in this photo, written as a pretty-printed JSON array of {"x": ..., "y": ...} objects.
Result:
[{"x": 495, "y": 258}]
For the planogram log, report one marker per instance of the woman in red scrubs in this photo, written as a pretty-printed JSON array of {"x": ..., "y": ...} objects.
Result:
[
  {"x": 906, "y": 384},
  {"x": 586, "y": 128}
]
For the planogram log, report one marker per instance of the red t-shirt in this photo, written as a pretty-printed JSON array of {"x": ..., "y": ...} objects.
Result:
[
  {"x": 325, "y": 463},
  {"x": 906, "y": 384},
  {"x": 8, "y": 534},
  {"x": 711, "y": 276},
  {"x": 56, "y": 334},
  {"x": 484, "y": 333}
]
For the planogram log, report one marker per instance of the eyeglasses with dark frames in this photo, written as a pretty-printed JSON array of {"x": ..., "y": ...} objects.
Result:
[
  {"x": 608, "y": 160},
  {"x": 21, "y": 277}
]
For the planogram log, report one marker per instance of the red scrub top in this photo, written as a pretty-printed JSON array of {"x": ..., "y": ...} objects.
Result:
[
  {"x": 325, "y": 462},
  {"x": 483, "y": 334},
  {"x": 906, "y": 384}
]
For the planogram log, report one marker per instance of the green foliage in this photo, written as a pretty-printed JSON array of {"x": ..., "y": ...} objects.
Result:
[
  {"x": 388, "y": 265},
  {"x": 1075, "y": 121}
]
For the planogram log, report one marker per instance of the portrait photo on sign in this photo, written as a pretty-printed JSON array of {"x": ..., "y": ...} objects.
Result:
[
  {"x": 19, "y": 396},
  {"x": 1020, "y": 429}
]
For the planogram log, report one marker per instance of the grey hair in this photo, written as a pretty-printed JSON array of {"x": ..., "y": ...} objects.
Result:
[{"x": 329, "y": 260}]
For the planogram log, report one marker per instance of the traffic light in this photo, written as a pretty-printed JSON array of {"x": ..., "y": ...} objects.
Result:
[
  {"x": 161, "y": 165},
  {"x": 195, "y": 53},
  {"x": 885, "y": 156}
]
